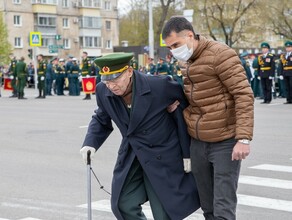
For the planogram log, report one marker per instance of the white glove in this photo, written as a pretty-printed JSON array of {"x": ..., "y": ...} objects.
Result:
[
  {"x": 11, "y": 77},
  {"x": 28, "y": 78},
  {"x": 187, "y": 165},
  {"x": 271, "y": 78},
  {"x": 42, "y": 78},
  {"x": 84, "y": 150},
  {"x": 80, "y": 78},
  {"x": 281, "y": 77},
  {"x": 87, "y": 76},
  {"x": 259, "y": 78}
]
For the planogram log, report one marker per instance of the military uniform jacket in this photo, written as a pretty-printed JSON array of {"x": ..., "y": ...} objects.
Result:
[
  {"x": 158, "y": 139},
  {"x": 42, "y": 67},
  {"x": 20, "y": 69},
  {"x": 285, "y": 65},
  {"x": 266, "y": 65},
  {"x": 12, "y": 67},
  {"x": 85, "y": 67}
]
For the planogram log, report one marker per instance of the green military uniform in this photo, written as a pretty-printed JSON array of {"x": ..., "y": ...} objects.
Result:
[
  {"x": 266, "y": 71},
  {"x": 86, "y": 71},
  {"x": 74, "y": 87},
  {"x": 134, "y": 63},
  {"x": 13, "y": 76},
  {"x": 60, "y": 77},
  {"x": 162, "y": 67},
  {"x": 21, "y": 73},
  {"x": 286, "y": 70},
  {"x": 41, "y": 73}
]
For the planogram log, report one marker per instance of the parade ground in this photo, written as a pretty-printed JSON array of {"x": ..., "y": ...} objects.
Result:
[{"x": 43, "y": 176}]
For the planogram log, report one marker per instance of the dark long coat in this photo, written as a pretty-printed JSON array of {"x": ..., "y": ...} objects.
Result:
[{"x": 157, "y": 138}]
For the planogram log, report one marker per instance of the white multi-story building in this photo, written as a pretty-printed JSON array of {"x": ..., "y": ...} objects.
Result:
[{"x": 67, "y": 27}]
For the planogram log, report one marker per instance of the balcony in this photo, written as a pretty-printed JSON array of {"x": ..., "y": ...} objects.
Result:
[{"x": 44, "y": 6}]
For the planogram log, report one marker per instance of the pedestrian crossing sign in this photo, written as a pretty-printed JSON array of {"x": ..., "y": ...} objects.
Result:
[{"x": 35, "y": 39}]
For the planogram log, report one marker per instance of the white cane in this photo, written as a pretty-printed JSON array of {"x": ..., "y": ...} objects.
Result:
[{"x": 89, "y": 211}]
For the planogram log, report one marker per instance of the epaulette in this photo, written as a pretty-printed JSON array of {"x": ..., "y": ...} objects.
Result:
[{"x": 271, "y": 54}]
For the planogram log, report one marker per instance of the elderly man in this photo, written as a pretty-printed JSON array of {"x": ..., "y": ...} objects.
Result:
[{"x": 153, "y": 159}]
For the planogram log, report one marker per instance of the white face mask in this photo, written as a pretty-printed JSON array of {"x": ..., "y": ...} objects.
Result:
[{"x": 182, "y": 53}]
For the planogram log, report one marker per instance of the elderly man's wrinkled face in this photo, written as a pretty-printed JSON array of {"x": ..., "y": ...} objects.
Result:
[{"x": 119, "y": 85}]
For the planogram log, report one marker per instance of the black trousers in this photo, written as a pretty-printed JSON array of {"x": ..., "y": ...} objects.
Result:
[
  {"x": 217, "y": 178},
  {"x": 288, "y": 83},
  {"x": 267, "y": 89}
]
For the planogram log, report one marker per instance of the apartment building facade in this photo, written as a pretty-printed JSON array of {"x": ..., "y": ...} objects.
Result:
[{"x": 67, "y": 27}]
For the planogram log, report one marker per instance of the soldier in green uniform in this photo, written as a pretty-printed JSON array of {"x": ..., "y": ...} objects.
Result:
[
  {"x": 73, "y": 77},
  {"x": 266, "y": 71},
  {"x": 60, "y": 77},
  {"x": 286, "y": 70},
  {"x": 85, "y": 70},
  {"x": 13, "y": 76},
  {"x": 134, "y": 63},
  {"x": 41, "y": 73},
  {"x": 151, "y": 67},
  {"x": 162, "y": 67},
  {"x": 21, "y": 72},
  {"x": 257, "y": 86}
]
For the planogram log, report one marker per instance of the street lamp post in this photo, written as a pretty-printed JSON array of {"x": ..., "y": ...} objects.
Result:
[{"x": 150, "y": 36}]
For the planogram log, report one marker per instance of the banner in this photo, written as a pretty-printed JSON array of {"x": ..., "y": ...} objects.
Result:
[
  {"x": 88, "y": 84},
  {"x": 7, "y": 84}
]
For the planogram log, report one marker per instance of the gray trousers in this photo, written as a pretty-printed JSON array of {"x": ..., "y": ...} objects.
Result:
[
  {"x": 217, "y": 178},
  {"x": 136, "y": 190}
]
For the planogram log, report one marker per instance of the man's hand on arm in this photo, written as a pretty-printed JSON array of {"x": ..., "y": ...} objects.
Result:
[
  {"x": 84, "y": 150},
  {"x": 172, "y": 107}
]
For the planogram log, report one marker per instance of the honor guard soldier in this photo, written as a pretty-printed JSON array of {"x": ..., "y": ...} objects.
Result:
[
  {"x": 13, "y": 76},
  {"x": 21, "y": 72},
  {"x": 162, "y": 67},
  {"x": 151, "y": 66},
  {"x": 286, "y": 70},
  {"x": 41, "y": 73},
  {"x": 73, "y": 77},
  {"x": 85, "y": 70},
  {"x": 60, "y": 77},
  {"x": 50, "y": 75},
  {"x": 266, "y": 71},
  {"x": 246, "y": 65},
  {"x": 134, "y": 63}
]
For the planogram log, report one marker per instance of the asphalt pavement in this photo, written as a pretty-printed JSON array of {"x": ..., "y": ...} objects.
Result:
[{"x": 43, "y": 177}]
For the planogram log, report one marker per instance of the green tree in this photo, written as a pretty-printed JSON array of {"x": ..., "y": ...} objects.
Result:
[{"x": 5, "y": 47}]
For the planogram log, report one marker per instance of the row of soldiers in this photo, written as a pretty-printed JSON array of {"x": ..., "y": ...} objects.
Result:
[
  {"x": 56, "y": 72},
  {"x": 267, "y": 67},
  {"x": 168, "y": 66}
]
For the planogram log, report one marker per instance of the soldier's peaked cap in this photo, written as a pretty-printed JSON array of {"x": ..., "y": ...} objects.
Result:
[
  {"x": 265, "y": 45},
  {"x": 288, "y": 43},
  {"x": 113, "y": 65}
]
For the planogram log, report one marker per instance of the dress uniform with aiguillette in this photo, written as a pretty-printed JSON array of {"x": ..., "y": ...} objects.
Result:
[
  {"x": 266, "y": 71},
  {"x": 286, "y": 70},
  {"x": 154, "y": 142},
  {"x": 41, "y": 73}
]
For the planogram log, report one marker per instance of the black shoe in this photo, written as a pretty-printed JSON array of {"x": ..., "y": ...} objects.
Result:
[
  {"x": 87, "y": 98},
  {"x": 38, "y": 97},
  {"x": 263, "y": 103},
  {"x": 287, "y": 103},
  {"x": 13, "y": 96}
]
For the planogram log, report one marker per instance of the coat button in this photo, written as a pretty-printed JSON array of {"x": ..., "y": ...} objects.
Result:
[{"x": 158, "y": 157}]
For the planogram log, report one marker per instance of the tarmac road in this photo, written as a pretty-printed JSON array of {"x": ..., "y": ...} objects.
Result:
[{"x": 43, "y": 177}]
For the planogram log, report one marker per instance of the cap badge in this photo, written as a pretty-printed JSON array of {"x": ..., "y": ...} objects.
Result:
[{"x": 105, "y": 69}]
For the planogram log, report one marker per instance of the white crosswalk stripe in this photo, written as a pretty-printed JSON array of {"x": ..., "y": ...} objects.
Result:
[
  {"x": 271, "y": 167},
  {"x": 268, "y": 182}
]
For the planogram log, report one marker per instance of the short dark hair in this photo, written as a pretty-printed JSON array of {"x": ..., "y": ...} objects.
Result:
[{"x": 176, "y": 24}]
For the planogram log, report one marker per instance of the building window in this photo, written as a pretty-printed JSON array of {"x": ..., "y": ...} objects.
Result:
[
  {"x": 47, "y": 21},
  {"x": 16, "y": 1},
  {"x": 108, "y": 44},
  {"x": 91, "y": 3},
  {"x": 49, "y": 2},
  {"x": 46, "y": 41},
  {"x": 91, "y": 22},
  {"x": 17, "y": 20},
  {"x": 107, "y": 25},
  {"x": 65, "y": 3},
  {"x": 93, "y": 42},
  {"x": 107, "y": 5},
  {"x": 17, "y": 42},
  {"x": 65, "y": 23},
  {"x": 66, "y": 43}
]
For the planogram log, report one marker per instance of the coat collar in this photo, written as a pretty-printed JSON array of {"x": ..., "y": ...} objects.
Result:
[{"x": 142, "y": 101}]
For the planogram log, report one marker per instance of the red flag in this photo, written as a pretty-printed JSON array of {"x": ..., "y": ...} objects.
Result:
[
  {"x": 7, "y": 84},
  {"x": 88, "y": 84}
]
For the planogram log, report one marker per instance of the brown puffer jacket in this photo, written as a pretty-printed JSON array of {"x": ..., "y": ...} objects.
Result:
[{"x": 220, "y": 97}]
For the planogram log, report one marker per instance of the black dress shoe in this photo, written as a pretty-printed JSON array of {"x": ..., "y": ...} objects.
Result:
[
  {"x": 287, "y": 103},
  {"x": 263, "y": 103}
]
